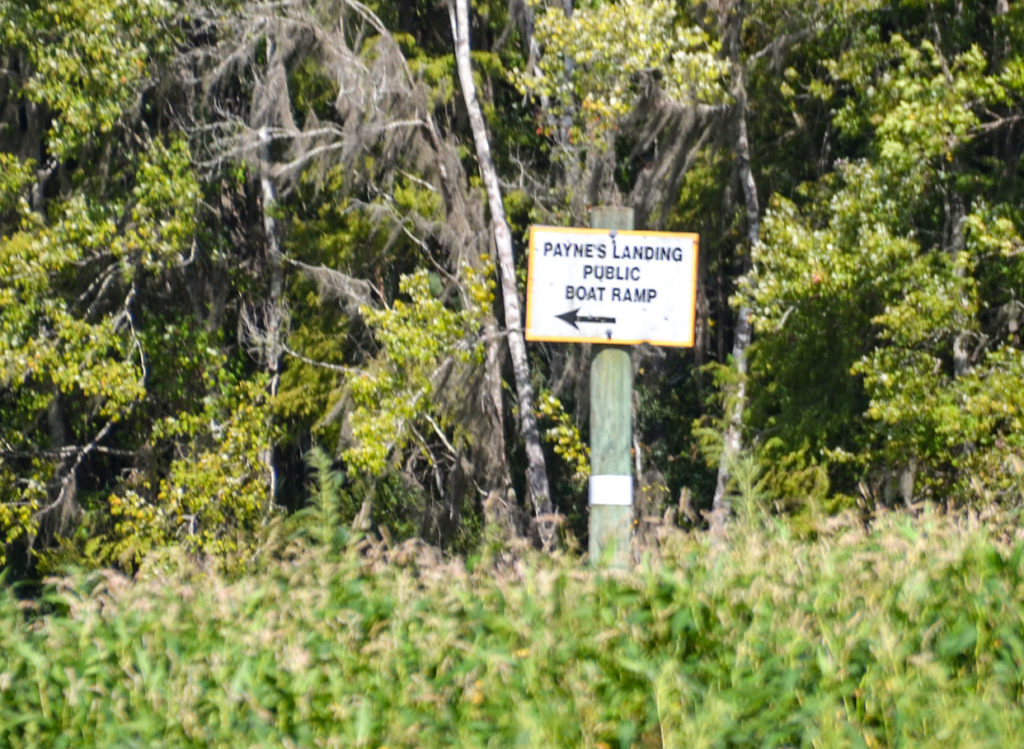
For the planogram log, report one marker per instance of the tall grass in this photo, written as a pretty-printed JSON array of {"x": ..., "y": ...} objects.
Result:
[{"x": 909, "y": 632}]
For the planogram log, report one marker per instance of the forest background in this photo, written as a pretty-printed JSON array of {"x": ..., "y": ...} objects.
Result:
[{"x": 246, "y": 243}]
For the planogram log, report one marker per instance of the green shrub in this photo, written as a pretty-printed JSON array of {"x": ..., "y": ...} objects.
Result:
[{"x": 907, "y": 632}]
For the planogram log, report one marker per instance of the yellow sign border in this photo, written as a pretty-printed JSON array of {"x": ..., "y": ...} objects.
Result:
[{"x": 686, "y": 342}]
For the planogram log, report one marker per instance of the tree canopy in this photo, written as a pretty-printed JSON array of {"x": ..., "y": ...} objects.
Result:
[{"x": 235, "y": 232}]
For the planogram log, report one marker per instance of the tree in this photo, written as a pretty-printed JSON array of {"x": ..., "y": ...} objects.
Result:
[
  {"x": 894, "y": 276},
  {"x": 76, "y": 249},
  {"x": 537, "y": 477},
  {"x": 125, "y": 419},
  {"x": 365, "y": 167}
]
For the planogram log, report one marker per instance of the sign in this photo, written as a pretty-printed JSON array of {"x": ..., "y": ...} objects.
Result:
[{"x": 607, "y": 286}]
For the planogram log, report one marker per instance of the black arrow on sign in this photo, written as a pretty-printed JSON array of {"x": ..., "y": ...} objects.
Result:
[{"x": 572, "y": 317}]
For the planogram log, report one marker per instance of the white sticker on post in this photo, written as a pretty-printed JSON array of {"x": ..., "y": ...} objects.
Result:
[{"x": 611, "y": 490}]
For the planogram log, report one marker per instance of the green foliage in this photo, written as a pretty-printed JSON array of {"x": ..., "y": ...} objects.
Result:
[
  {"x": 419, "y": 341},
  {"x": 564, "y": 436},
  {"x": 818, "y": 284},
  {"x": 90, "y": 59},
  {"x": 95, "y": 243},
  {"x": 882, "y": 291},
  {"x": 591, "y": 62},
  {"x": 903, "y": 633},
  {"x": 322, "y": 519},
  {"x": 15, "y": 178},
  {"x": 885, "y": 290},
  {"x": 358, "y": 239},
  {"x": 213, "y": 498},
  {"x": 68, "y": 338},
  {"x": 217, "y": 490}
]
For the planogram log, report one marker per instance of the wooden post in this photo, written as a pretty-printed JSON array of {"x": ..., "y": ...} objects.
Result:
[{"x": 611, "y": 431}]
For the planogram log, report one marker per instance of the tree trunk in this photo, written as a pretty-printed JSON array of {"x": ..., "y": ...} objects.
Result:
[
  {"x": 736, "y": 394},
  {"x": 536, "y": 472},
  {"x": 274, "y": 315}
]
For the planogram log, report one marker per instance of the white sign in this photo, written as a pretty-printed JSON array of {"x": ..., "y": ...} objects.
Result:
[{"x": 606, "y": 286}]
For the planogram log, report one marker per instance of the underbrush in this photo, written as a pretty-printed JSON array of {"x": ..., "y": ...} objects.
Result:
[{"x": 907, "y": 632}]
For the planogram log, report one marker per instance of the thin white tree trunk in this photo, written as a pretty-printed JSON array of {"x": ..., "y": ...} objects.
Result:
[
  {"x": 736, "y": 399},
  {"x": 536, "y": 471},
  {"x": 274, "y": 334}
]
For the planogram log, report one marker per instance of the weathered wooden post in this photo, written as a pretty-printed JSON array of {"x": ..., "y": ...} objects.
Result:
[{"x": 611, "y": 430}]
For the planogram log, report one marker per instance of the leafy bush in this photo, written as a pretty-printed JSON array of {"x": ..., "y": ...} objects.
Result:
[{"x": 907, "y": 632}]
